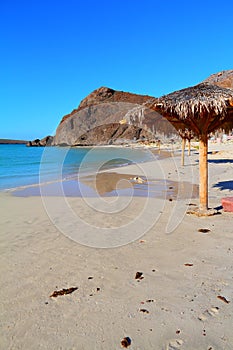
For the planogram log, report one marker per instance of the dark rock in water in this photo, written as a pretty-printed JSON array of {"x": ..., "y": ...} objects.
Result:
[
  {"x": 46, "y": 141},
  {"x": 34, "y": 143}
]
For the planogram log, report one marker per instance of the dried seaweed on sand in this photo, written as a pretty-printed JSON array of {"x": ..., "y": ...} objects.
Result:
[{"x": 56, "y": 293}]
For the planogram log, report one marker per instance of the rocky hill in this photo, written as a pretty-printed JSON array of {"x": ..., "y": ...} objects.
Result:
[
  {"x": 100, "y": 117},
  {"x": 105, "y": 94},
  {"x": 223, "y": 79},
  {"x": 107, "y": 116}
]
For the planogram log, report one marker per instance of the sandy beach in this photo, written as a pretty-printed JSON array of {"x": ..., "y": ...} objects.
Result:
[{"x": 184, "y": 297}]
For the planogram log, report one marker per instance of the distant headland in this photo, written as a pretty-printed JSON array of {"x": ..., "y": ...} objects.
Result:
[{"x": 12, "y": 142}]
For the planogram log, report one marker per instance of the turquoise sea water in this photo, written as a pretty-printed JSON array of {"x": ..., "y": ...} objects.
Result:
[{"x": 22, "y": 166}]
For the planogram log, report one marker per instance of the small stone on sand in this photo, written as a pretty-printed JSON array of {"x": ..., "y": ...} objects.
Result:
[{"x": 126, "y": 342}]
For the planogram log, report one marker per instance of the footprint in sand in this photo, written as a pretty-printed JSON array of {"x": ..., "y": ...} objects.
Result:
[
  {"x": 174, "y": 344},
  {"x": 213, "y": 311}
]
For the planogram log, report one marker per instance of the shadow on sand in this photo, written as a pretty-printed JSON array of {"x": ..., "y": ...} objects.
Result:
[
  {"x": 220, "y": 161},
  {"x": 224, "y": 185}
]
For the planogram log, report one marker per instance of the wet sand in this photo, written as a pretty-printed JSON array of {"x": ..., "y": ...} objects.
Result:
[
  {"x": 183, "y": 299},
  {"x": 112, "y": 184}
]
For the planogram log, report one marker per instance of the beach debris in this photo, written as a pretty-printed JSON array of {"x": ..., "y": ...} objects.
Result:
[
  {"x": 145, "y": 311},
  {"x": 178, "y": 331},
  {"x": 56, "y": 293},
  {"x": 188, "y": 264},
  {"x": 138, "y": 179},
  {"x": 126, "y": 342},
  {"x": 97, "y": 289},
  {"x": 204, "y": 230},
  {"x": 139, "y": 276},
  {"x": 142, "y": 241},
  {"x": 90, "y": 278},
  {"x": 223, "y": 299},
  {"x": 170, "y": 199}
]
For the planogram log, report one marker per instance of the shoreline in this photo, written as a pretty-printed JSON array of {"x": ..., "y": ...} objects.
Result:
[
  {"x": 113, "y": 167},
  {"x": 130, "y": 171},
  {"x": 166, "y": 150},
  {"x": 57, "y": 176}
]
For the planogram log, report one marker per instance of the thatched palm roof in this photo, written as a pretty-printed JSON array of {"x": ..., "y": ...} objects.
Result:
[
  {"x": 186, "y": 133},
  {"x": 202, "y": 108}
]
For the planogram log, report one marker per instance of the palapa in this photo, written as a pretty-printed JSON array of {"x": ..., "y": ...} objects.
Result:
[
  {"x": 202, "y": 109},
  {"x": 185, "y": 134}
]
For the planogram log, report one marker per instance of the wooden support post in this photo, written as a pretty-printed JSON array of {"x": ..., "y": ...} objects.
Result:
[
  {"x": 159, "y": 145},
  {"x": 183, "y": 149},
  {"x": 189, "y": 147},
  {"x": 172, "y": 153},
  {"x": 203, "y": 173}
]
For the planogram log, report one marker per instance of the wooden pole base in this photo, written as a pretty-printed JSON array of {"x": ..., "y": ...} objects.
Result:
[{"x": 203, "y": 173}]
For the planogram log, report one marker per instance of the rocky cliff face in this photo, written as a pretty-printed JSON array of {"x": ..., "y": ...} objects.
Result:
[
  {"x": 223, "y": 79},
  {"x": 107, "y": 116},
  {"x": 113, "y": 134},
  {"x": 46, "y": 141},
  {"x": 104, "y": 95},
  {"x": 100, "y": 117}
]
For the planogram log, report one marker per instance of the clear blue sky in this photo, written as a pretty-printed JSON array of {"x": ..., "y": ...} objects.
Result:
[{"x": 54, "y": 53}]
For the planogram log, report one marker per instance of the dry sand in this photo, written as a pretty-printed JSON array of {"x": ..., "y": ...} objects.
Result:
[{"x": 175, "y": 306}]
